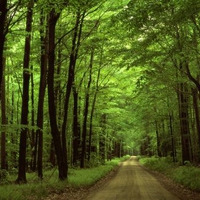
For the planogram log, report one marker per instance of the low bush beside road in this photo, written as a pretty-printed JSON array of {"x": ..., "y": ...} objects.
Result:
[{"x": 187, "y": 175}]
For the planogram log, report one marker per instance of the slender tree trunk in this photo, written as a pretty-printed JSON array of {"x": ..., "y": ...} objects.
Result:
[
  {"x": 118, "y": 149},
  {"x": 43, "y": 75},
  {"x": 184, "y": 122},
  {"x": 173, "y": 154},
  {"x": 92, "y": 113},
  {"x": 59, "y": 150},
  {"x": 72, "y": 64},
  {"x": 58, "y": 90},
  {"x": 76, "y": 128},
  {"x": 3, "y": 13},
  {"x": 84, "y": 133},
  {"x": 91, "y": 125},
  {"x": 52, "y": 157},
  {"x": 182, "y": 94},
  {"x": 102, "y": 140},
  {"x": 25, "y": 98},
  {"x": 13, "y": 135},
  {"x": 158, "y": 139},
  {"x": 3, "y": 121},
  {"x": 196, "y": 110},
  {"x": 32, "y": 139},
  {"x": 70, "y": 80},
  {"x": 35, "y": 152}
]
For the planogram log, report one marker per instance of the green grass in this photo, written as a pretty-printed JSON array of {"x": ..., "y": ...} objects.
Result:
[
  {"x": 39, "y": 189},
  {"x": 188, "y": 175},
  {"x": 92, "y": 175}
]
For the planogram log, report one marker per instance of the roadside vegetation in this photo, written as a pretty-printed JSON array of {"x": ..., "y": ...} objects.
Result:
[
  {"x": 37, "y": 189},
  {"x": 187, "y": 175}
]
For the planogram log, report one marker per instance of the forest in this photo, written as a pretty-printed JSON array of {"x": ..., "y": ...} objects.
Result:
[{"x": 85, "y": 81}]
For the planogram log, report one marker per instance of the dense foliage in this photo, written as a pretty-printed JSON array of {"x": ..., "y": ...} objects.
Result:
[{"x": 85, "y": 81}]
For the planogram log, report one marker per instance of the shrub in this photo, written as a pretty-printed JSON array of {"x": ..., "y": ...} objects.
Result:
[
  {"x": 188, "y": 176},
  {"x": 4, "y": 176},
  {"x": 163, "y": 164}
]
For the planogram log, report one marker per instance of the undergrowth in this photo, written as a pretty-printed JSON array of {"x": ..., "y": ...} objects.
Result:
[
  {"x": 187, "y": 175},
  {"x": 37, "y": 189}
]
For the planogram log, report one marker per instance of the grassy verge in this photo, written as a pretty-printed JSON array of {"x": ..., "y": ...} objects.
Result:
[
  {"x": 36, "y": 189},
  {"x": 188, "y": 175}
]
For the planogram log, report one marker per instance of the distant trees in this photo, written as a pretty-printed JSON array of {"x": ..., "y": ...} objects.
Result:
[{"x": 165, "y": 38}]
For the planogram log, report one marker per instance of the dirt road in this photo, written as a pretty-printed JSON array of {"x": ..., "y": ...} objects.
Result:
[{"x": 132, "y": 182}]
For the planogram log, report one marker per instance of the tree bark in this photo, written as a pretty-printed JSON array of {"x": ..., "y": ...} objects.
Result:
[
  {"x": 33, "y": 135},
  {"x": 3, "y": 31},
  {"x": 76, "y": 128},
  {"x": 72, "y": 64},
  {"x": 92, "y": 113},
  {"x": 173, "y": 154},
  {"x": 102, "y": 140},
  {"x": 52, "y": 157},
  {"x": 158, "y": 140},
  {"x": 60, "y": 152},
  {"x": 196, "y": 110},
  {"x": 40, "y": 110},
  {"x": 3, "y": 121},
  {"x": 184, "y": 122},
  {"x": 87, "y": 97},
  {"x": 25, "y": 98}
]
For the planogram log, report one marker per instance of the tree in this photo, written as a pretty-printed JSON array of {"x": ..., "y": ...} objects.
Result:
[
  {"x": 3, "y": 32},
  {"x": 4, "y": 122},
  {"x": 25, "y": 98},
  {"x": 43, "y": 75},
  {"x": 72, "y": 64},
  {"x": 87, "y": 96},
  {"x": 60, "y": 148}
]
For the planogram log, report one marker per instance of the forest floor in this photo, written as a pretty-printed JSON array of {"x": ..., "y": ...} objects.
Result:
[{"x": 94, "y": 192}]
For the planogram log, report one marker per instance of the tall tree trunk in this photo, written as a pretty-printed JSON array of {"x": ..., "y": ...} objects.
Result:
[
  {"x": 58, "y": 90},
  {"x": 58, "y": 102},
  {"x": 76, "y": 128},
  {"x": 59, "y": 150},
  {"x": 25, "y": 98},
  {"x": 184, "y": 122},
  {"x": 158, "y": 139},
  {"x": 52, "y": 157},
  {"x": 72, "y": 64},
  {"x": 102, "y": 140},
  {"x": 3, "y": 13},
  {"x": 92, "y": 113},
  {"x": 13, "y": 135},
  {"x": 182, "y": 93},
  {"x": 173, "y": 154},
  {"x": 32, "y": 138},
  {"x": 196, "y": 110},
  {"x": 87, "y": 96},
  {"x": 43, "y": 75},
  {"x": 3, "y": 121}
]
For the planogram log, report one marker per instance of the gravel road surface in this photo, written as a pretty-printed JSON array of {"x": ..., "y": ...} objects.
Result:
[{"x": 132, "y": 182}]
